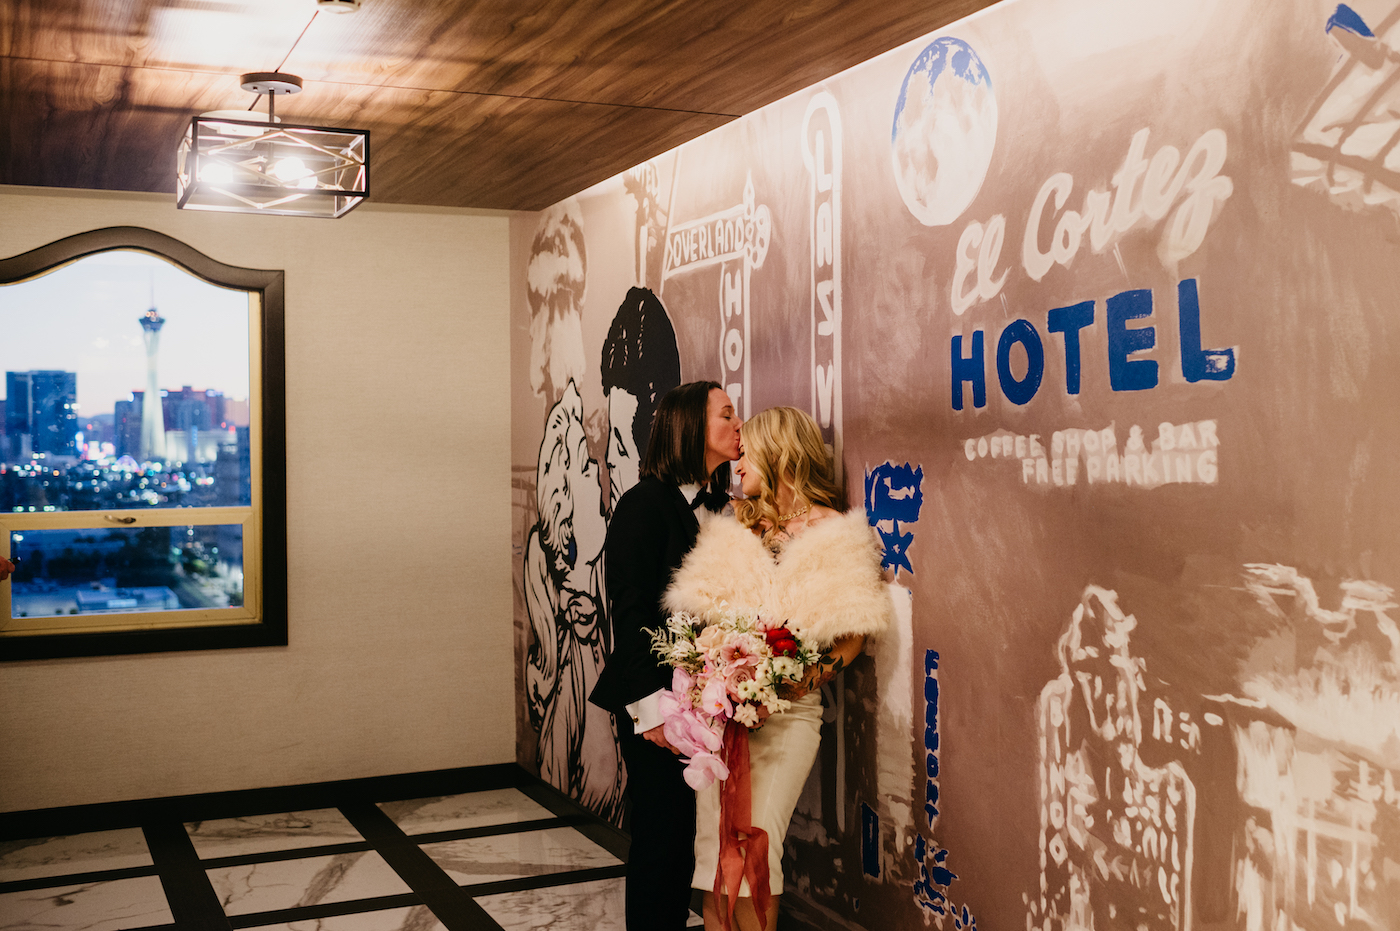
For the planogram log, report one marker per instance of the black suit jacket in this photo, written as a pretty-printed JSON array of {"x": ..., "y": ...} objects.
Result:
[{"x": 652, "y": 529}]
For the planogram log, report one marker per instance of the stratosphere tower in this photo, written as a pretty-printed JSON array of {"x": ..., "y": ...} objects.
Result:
[{"x": 152, "y": 411}]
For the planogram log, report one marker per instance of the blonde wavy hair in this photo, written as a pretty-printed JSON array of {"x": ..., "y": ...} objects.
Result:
[{"x": 786, "y": 443}]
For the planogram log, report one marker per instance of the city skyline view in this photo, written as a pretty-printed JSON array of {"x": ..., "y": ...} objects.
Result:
[
  {"x": 84, "y": 318},
  {"x": 156, "y": 362}
]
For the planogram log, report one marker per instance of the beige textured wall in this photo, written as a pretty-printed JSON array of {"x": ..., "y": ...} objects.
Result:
[{"x": 398, "y": 433}]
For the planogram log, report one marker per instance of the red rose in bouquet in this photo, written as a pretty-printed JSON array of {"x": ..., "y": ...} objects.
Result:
[{"x": 781, "y": 641}]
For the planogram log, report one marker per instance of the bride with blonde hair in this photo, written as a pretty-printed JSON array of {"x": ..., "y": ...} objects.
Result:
[{"x": 793, "y": 556}]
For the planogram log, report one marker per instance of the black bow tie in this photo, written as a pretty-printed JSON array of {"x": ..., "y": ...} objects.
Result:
[{"x": 712, "y": 500}]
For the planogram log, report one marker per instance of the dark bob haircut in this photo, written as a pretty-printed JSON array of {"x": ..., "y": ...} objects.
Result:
[{"x": 676, "y": 452}]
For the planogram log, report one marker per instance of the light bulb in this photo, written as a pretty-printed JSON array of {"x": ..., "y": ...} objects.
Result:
[
  {"x": 291, "y": 169},
  {"x": 215, "y": 172}
]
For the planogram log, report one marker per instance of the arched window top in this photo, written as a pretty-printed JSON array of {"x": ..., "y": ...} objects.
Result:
[{"x": 134, "y": 238}]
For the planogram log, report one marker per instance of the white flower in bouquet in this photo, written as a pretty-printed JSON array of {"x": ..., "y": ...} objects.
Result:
[{"x": 785, "y": 667}]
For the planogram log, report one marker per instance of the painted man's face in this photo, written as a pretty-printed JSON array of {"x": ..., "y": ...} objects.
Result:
[{"x": 623, "y": 458}]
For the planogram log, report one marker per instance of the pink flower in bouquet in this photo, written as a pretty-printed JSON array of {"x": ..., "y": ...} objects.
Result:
[
  {"x": 714, "y": 698},
  {"x": 669, "y": 705},
  {"x": 685, "y": 729},
  {"x": 703, "y": 769},
  {"x": 738, "y": 652},
  {"x": 709, "y": 638},
  {"x": 680, "y": 730},
  {"x": 734, "y": 675},
  {"x": 681, "y": 684},
  {"x": 673, "y": 710}
]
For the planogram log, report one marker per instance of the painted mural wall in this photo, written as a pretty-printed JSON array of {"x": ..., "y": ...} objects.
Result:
[{"x": 1098, "y": 304}]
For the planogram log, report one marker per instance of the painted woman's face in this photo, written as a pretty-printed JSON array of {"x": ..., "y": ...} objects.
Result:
[
  {"x": 721, "y": 431},
  {"x": 590, "y": 527},
  {"x": 566, "y": 485}
]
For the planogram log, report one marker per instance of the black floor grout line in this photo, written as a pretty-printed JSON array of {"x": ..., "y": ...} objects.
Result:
[
  {"x": 291, "y": 853},
  {"x": 546, "y": 880},
  {"x": 325, "y": 910},
  {"x": 193, "y": 903},
  {"x": 444, "y": 898},
  {"x": 434, "y": 837},
  {"x": 75, "y": 879},
  {"x": 210, "y": 806},
  {"x": 495, "y": 830},
  {"x": 612, "y": 839}
]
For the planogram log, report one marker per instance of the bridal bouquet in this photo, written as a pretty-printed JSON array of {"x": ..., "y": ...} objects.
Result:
[{"x": 725, "y": 670}]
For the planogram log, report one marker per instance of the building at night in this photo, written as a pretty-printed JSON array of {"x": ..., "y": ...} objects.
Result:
[{"x": 41, "y": 413}]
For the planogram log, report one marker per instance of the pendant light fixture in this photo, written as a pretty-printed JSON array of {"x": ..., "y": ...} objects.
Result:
[{"x": 243, "y": 162}]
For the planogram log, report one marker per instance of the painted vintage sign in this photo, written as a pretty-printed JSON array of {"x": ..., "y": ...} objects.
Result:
[{"x": 1096, "y": 305}]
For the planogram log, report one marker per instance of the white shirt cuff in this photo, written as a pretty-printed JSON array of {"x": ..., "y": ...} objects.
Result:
[{"x": 646, "y": 712}]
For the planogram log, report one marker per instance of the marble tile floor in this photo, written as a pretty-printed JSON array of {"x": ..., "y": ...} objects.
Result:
[{"x": 484, "y": 849}]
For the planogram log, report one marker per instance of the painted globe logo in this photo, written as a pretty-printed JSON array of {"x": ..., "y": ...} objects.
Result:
[{"x": 945, "y": 127}]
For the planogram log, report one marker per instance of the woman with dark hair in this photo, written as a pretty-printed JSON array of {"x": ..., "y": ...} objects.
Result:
[
  {"x": 685, "y": 472},
  {"x": 796, "y": 559}
]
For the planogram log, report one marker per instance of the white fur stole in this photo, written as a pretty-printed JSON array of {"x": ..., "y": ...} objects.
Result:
[{"x": 827, "y": 582}]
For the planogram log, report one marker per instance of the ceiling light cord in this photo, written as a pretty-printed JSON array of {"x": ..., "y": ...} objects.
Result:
[
  {"x": 298, "y": 41},
  {"x": 287, "y": 56}
]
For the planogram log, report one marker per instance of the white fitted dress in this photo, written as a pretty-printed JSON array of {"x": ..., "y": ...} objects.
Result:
[{"x": 781, "y": 753}]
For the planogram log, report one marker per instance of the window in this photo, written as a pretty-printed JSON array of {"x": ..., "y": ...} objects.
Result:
[{"x": 142, "y": 493}]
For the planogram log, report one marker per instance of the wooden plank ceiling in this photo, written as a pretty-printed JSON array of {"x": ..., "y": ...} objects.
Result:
[{"x": 510, "y": 104}]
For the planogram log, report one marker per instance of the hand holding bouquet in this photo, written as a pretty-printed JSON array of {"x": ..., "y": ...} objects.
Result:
[{"x": 726, "y": 669}]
